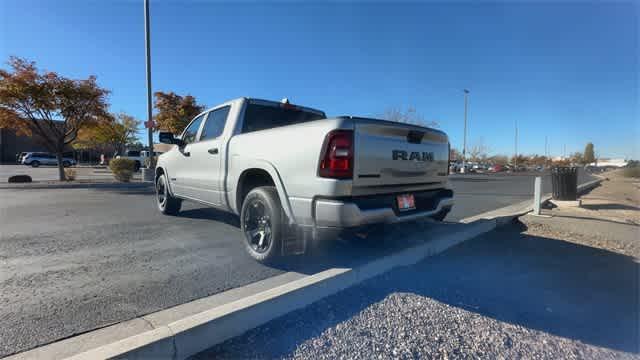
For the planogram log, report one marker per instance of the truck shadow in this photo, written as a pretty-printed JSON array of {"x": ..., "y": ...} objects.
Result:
[{"x": 564, "y": 289}]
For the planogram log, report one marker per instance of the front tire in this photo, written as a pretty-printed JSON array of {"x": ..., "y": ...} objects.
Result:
[
  {"x": 261, "y": 221},
  {"x": 167, "y": 204}
]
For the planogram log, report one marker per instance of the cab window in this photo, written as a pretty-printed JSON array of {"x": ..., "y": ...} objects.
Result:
[
  {"x": 189, "y": 135},
  {"x": 214, "y": 125}
]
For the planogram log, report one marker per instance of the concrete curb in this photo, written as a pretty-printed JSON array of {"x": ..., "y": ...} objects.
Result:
[
  {"x": 192, "y": 334},
  {"x": 78, "y": 185}
]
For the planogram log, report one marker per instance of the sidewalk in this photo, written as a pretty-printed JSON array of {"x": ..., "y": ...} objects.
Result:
[
  {"x": 560, "y": 287},
  {"x": 608, "y": 219}
]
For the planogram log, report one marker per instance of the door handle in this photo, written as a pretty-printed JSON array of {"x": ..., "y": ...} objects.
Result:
[{"x": 213, "y": 151}]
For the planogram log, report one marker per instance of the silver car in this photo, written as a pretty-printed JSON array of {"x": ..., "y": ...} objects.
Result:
[{"x": 36, "y": 159}]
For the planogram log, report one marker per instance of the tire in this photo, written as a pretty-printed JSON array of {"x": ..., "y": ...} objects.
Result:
[
  {"x": 261, "y": 221},
  {"x": 35, "y": 163},
  {"x": 136, "y": 166},
  {"x": 166, "y": 203},
  {"x": 66, "y": 164}
]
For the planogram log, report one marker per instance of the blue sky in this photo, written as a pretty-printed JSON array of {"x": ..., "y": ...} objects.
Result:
[{"x": 565, "y": 70}]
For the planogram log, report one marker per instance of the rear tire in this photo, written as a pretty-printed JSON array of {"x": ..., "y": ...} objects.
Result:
[
  {"x": 35, "y": 163},
  {"x": 136, "y": 166},
  {"x": 66, "y": 164},
  {"x": 261, "y": 221},
  {"x": 167, "y": 204}
]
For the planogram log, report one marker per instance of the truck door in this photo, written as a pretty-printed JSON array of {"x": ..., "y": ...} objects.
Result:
[
  {"x": 183, "y": 169},
  {"x": 206, "y": 156}
]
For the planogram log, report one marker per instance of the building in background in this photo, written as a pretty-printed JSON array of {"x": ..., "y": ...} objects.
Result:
[
  {"x": 12, "y": 144},
  {"x": 610, "y": 163}
]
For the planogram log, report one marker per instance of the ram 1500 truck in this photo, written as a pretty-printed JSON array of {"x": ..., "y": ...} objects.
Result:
[{"x": 292, "y": 174}]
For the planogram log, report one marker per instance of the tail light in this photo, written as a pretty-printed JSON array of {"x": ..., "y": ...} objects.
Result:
[{"x": 336, "y": 158}]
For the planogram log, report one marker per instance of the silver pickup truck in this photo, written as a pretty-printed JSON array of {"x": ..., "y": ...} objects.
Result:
[{"x": 292, "y": 174}]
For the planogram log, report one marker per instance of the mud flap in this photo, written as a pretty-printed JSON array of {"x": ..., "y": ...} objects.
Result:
[{"x": 295, "y": 240}]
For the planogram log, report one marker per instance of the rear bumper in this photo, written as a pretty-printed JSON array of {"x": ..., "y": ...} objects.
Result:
[{"x": 343, "y": 213}]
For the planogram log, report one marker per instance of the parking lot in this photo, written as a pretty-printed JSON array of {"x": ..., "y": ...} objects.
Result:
[
  {"x": 50, "y": 173},
  {"x": 73, "y": 260}
]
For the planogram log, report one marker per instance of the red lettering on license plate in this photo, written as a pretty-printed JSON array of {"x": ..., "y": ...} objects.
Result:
[{"x": 406, "y": 202}]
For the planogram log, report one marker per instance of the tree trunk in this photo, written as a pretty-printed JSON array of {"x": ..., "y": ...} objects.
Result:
[{"x": 60, "y": 166}]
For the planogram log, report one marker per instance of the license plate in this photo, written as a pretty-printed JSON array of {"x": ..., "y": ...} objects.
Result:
[{"x": 406, "y": 202}]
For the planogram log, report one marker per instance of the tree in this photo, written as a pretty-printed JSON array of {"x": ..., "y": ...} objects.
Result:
[
  {"x": 589, "y": 156},
  {"x": 409, "y": 116},
  {"x": 478, "y": 152},
  {"x": 111, "y": 133},
  {"x": 175, "y": 111},
  {"x": 47, "y": 105},
  {"x": 499, "y": 160},
  {"x": 577, "y": 158},
  {"x": 454, "y": 154}
]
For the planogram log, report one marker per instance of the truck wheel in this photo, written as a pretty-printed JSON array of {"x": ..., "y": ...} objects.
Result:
[
  {"x": 35, "y": 163},
  {"x": 261, "y": 222},
  {"x": 136, "y": 166},
  {"x": 167, "y": 204}
]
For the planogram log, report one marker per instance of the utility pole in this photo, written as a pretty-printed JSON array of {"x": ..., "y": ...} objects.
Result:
[
  {"x": 515, "y": 158},
  {"x": 464, "y": 144},
  {"x": 147, "y": 44},
  {"x": 546, "y": 150}
]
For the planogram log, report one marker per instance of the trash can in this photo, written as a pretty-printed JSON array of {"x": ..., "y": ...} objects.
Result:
[{"x": 565, "y": 183}]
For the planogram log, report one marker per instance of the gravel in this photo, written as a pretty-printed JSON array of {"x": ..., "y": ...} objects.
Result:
[{"x": 504, "y": 295}]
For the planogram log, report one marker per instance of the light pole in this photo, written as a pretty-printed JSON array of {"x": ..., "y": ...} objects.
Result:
[
  {"x": 515, "y": 158},
  {"x": 147, "y": 44},
  {"x": 464, "y": 144}
]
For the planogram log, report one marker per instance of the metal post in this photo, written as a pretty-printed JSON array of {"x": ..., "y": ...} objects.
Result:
[
  {"x": 147, "y": 44},
  {"x": 464, "y": 144},
  {"x": 515, "y": 158},
  {"x": 537, "y": 194}
]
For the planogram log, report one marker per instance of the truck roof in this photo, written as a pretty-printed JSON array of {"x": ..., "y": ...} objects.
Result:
[{"x": 266, "y": 102}]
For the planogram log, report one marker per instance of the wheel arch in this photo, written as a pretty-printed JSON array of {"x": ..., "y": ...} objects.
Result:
[{"x": 262, "y": 174}]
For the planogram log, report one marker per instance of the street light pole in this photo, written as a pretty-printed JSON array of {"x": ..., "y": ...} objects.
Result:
[
  {"x": 515, "y": 158},
  {"x": 464, "y": 144},
  {"x": 147, "y": 44}
]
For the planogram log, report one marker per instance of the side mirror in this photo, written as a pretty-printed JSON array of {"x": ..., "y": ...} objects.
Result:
[{"x": 168, "y": 138}]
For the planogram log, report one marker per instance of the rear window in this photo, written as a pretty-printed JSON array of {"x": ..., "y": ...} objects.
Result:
[{"x": 261, "y": 117}]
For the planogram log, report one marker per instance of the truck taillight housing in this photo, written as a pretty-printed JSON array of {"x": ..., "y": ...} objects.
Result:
[{"x": 336, "y": 157}]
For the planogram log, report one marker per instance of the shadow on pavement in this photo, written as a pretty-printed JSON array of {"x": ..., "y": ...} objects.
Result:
[
  {"x": 611, "y": 206},
  {"x": 568, "y": 290}
]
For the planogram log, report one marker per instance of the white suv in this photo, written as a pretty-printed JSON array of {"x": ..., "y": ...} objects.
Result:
[{"x": 36, "y": 159}]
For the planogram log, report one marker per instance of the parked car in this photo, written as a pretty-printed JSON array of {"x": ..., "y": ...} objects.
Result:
[
  {"x": 19, "y": 157},
  {"x": 138, "y": 156},
  {"x": 496, "y": 168},
  {"x": 36, "y": 159},
  {"x": 293, "y": 175}
]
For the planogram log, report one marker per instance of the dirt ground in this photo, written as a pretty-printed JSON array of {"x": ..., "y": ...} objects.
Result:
[{"x": 609, "y": 218}]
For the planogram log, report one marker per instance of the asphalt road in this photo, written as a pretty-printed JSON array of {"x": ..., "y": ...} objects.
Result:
[
  {"x": 478, "y": 193},
  {"x": 72, "y": 260},
  {"x": 50, "y": 173}
]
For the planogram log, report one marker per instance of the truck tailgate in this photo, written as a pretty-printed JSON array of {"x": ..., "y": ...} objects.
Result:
[{"x": 390, "y": 153}]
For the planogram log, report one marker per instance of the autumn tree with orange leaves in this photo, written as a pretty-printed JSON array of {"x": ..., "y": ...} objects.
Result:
[
  {"x": 175, "y": 111},
  {"x": 48, "y": 105}
]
